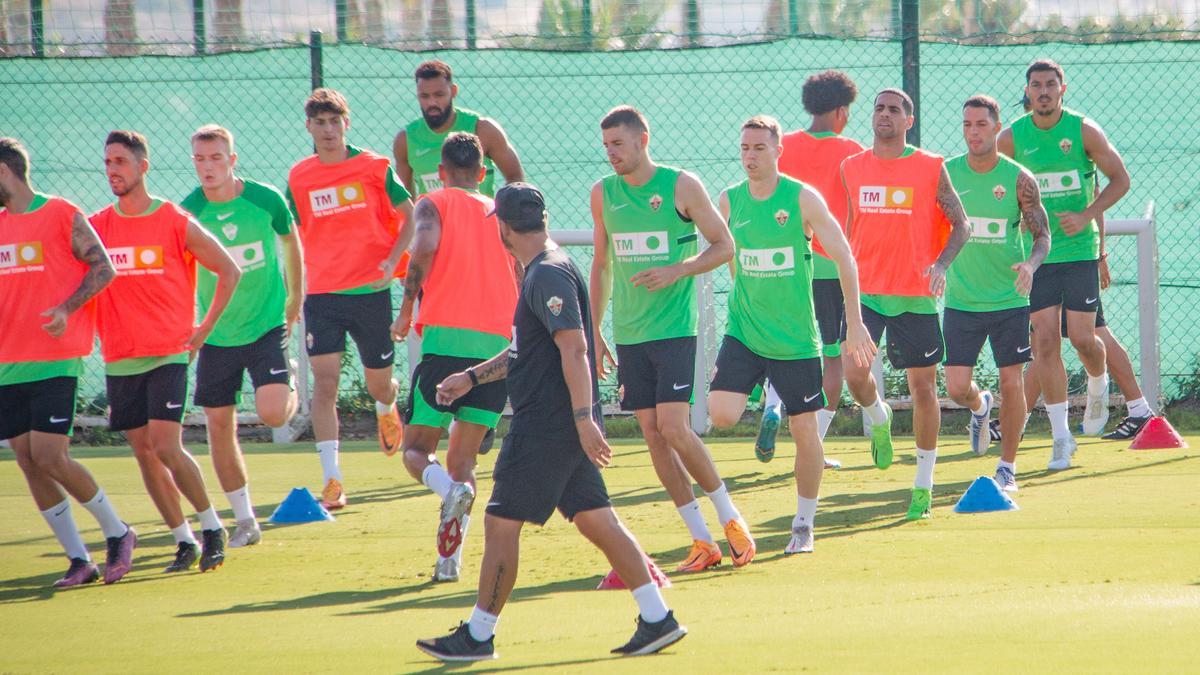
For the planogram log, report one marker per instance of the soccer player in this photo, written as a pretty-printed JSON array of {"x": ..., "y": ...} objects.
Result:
[
  {"x": 1064, "y": 149},
  {"x": 771, "y": 329},
  {"x": 348, "y": 205},
  {"x": 646, "y": 220},
  {"x": 147, "y": 334},
  {"x": 551, "y": 454},
  {"x": 905, "y": 226},
  {"x": 51, "y": 266},
  {"x": 467, "y": 282},
  {"x": 987, "y": 286},
  {"x": 251, "y": 335},
  {"x": 418, "y": 146},
  {"x": 813, "y": 156}
]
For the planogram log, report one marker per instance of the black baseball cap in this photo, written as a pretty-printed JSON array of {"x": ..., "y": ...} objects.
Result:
[{"x": 521, "y": 205}]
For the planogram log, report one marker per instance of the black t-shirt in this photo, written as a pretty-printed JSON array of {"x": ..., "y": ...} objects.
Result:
[{"x": 553, "y": 298}]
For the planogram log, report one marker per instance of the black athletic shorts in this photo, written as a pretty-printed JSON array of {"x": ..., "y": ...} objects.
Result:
[
  {"x": 1074, "y": 285},
  {"x": 1006, "y": 329},
  {"x": 219, "y": 370},
  {"x": 535, "y": 475},
  {"x": 481, "y": 405},
  {"x": 328, "y": 317},
  {"x": 159, "y": 394},
  {"x": 43, "y": 405},
  {"x": 1100, "y": 322},
  {"x": 830, "y": 307},
  {"x": 913, "y": 340},
  {"x": 659, "y": 371},
  {"x": 797, "y": 381}
]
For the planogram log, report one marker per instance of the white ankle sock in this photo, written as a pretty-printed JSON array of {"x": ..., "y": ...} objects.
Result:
[
  {"x": 102, "y": 509},
  {"x": 726, "y": 511},
  {"x": 436, "y": 478},
  {"x": 1011, "y": 466},
  {"x": 58, "y": 517},
  {"x": 482, "y": 625},
  {"x": 806, "y": 512},
  {"x": 926, "y": 459},
  {"x": 1057, "y": 412},
  {"x": 771, "y": 398},
  {"x": 209, "y": 519},
  {"x": 650, "y": 602},
  {"x": 183, "y": 534},
  {"x": 384, "y": 408},
  {"x": 1138, "y": 407},
  {"x": 239, "y": 500},
  {"x": 694, "y": 519},
  {"x": 328, "y": 452},
  {"x": 824, "y": 419},
  {"x": 983, "y": 408},
  {"x": 1096, "y": 386},
  {"x": 875, "y": 413}
]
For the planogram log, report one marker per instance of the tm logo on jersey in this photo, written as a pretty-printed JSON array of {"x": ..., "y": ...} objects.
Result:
[
  {"x": 1059, "y": 183},
  {"x": 987, "y": 230},
  {"x": 137, "y": 260},
  {"x": 641, "y": 246},
  {"x": 248, "y": 256},
  {"x": 432, "y": 182},
  {"x": 767, "y": 262},
  {"x": 337, "y": 199},
  {"x": 21, "y": 257},
  {"x": 885, "y": 199}
]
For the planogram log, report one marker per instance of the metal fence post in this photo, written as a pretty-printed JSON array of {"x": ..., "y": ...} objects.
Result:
[
  {"x": 316, "y": 72},
  {"x": 37, "y": 28},
  {"x": 471, "y": 24},
  {"x": 910, "y": 56},
  {"x": 199, "y": 33},
  {"x": 340, "y": 10},
  {"x": 1148, "y": 335}
]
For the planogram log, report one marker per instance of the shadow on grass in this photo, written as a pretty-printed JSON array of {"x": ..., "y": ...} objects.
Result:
[{"x": 476, "y": 668}]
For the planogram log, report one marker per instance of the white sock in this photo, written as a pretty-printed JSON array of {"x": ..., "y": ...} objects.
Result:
[
  {"x": 806, "y": 512},
  {"x": 1011, "y": 466},
  {"x": 458, "y": 552},
  {"x": 926, "y": 459},
  {"x": 328, "y": 451},
  {"x": 875, "y": 413},
  {"x": 1138, "y": 407},
  {"x": 102, "y": 509},
  {"x": 726, "y": 511},
  {"x": 436, "y": 478},
  {"x": 239, "y": 500},
  {"x": 983, "y": 408},
  {"x": 650, "y": 602},
  {"x": 183, "y": 534},
  {"x": 482, "y": 625},
  {"x": 382, "y": 409},
  {"x": 824, "y": 419},
  {"x": 1026, "y": 422},
  {"x": 209, "y": 519},
  {"x": 694, "y": 519},
  {"x": 1057, "y": 412},
  {"x": 1096, "y": 386},
  {"x": 772, "y": 399},
  {"x": 58, "y": 517}
]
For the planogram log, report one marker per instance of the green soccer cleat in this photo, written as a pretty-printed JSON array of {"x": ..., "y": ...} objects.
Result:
[
  {"x": 918, "y": 509},
  {"x": 881, "y": 441},
  {"x": 764, "y": 446}
]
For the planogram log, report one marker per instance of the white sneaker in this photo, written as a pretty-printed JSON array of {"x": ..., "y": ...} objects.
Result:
[
  {"x": 1063, "y": 449},
  {"x": 1095, "y": 414},
  {"x": 801, "y": 542},
  {"x": 247, "y": 533},
  {"x": 445, "y": 569},
  {"x": 980, "y": 430}
]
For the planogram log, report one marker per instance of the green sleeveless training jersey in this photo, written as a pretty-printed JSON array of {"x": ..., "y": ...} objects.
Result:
[
  {"x": 425, "y": 152},
  {"x": 1065, "y": 176},
  {"x": 246, "y": 226},
  {"x": 981, "y": 278},
  {"x": 646, "y": 231},
  {"x": 771, "y": 304}
]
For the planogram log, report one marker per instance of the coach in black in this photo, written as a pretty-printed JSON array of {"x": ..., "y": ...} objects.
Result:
[{"x": 552, "y": 455}]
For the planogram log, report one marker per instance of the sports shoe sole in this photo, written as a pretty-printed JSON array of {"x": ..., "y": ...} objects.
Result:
[
  {"x": 456, "y": 658},
  {"x": 661, "y": 643}
]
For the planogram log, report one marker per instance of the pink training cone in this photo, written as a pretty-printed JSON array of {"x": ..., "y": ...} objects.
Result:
[
  {"x": 1157, "y": 434},
  {"x": 612, "y": 581}
]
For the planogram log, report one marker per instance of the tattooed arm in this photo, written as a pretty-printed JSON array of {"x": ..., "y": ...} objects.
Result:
[
  {"x": 86, "y": 247},
  {"x": 1034, "y": 218},
  {"x": 960, "y": 232},
  {"x": 425, "y": 244},
  {"x": 457, "y": 385}
]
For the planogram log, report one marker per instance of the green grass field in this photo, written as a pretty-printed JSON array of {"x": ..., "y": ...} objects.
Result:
[{"x": 1098, "y": 571}]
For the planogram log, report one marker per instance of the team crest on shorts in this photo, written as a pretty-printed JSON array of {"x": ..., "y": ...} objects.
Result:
[
  {"x": 998, "y": 192},
  {"x": 309, "y": 340},
  {"x": 781, "y": 217},
  {"x": 1065, "y": 145},
  {"x": 230, "y": 231},
  {"x": 554, "y": 304},
  {"x": 655, "y": 202}
]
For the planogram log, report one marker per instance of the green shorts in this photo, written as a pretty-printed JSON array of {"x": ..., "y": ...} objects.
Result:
[{"x": 482, "y": 405}]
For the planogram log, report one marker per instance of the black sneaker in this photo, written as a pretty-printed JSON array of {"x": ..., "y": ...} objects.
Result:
[
  {"x": 1127, "y": 429},
  {"x": 652, "y": 637},
  {"x": 185, "y": 557},
  {"x": 489, "y": 439},
  {"x": 214, "y": 549},
  {"x": 459, "y": 646}
]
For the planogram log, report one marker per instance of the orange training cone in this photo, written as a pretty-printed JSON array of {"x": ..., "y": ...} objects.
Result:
[
  {"x": 1156, "y": 435},
  {"x": 612, "y": 581}
]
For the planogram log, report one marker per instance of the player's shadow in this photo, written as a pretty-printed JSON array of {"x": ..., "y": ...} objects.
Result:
[
  {"x": 475, "y": 668},
  {"x": 741, "y": 483}
]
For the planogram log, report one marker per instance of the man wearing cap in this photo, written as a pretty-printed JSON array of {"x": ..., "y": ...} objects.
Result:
[{"x": 552, "y": 454}]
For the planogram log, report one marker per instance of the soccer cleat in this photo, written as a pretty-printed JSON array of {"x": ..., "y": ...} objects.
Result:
[
  {"x": 768, "y": 429},
  {"x": 248, "y": 533},
  {"x": 457, "y": 504},
  {"x": 1064, "y": 448},
  {"x": 445, "y": 569},
  {"x": 831, "y": 463},
  {"x": 741, "y": 544},
  {"x": 801, "y": 541},
  {"x": 881, "y": 440},
  {"x": 459, "y": 646},
  {"x": 1005, "y": 479},
  {"x": 391, "y": 431},
  {"x": 1095, "y": 414},
  {"x": 652, "y": 637},
  {"x": 1127, "y": 429},
  {"x": 919, "y": 507},
  {"x": 980, "y": 427},
  {"x": 214, "y": 549},
  {"x": 489, "y": 439},
  {"x": 333, "y": 497},
  {"x": 120, "y": 555},
  {"x": 993, "y": 430},
  {"x": 79, "y": 573},
  {"x": 703, "y": 555},
  {"x": 186, "y": 555}
]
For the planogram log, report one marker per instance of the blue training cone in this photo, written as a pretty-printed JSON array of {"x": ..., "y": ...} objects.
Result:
[
  {"x": 300, "y": 507},
  {"x": 983, "y": 496}
]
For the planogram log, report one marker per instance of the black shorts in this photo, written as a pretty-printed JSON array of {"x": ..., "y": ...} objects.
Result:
[
  {"x": 328, "y": 317},
  {"x": 1006, "y": 329},
  {"x": 1074, "y": 285},
  {"x": 830, "y": 307},
  {"x": 659, "y": 371},
  {"x": 1100, "y": 322},
  {"x": 535, "y": 475},
  {"x": 159, "y": 394},
  {"x": 220, "y": 370},
  {"x": 913, "y": 340},
  {"x": 43, "y": 405},
  {"x": 481, "y": 405},
  {"x": 797, "y": 381}
]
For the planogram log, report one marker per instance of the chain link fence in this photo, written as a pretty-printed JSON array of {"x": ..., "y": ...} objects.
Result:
[{"x": 547, "y": 72}]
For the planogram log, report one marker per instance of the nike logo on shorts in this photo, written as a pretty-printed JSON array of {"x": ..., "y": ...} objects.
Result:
[
  {"x": 618, "y": 207},
  {"x": 491, "y": 504},
  {"x": 387, "y": 355},
  {"x": 680, "y": 387},
  {"x": 173, "y": 406},
  {"x": 1090, "y": 300},
  {"x": 931, "y": 352},
  {"x": 1022, "y": 350},
  {"x": 810, "y": 398},
  {"x": 58, "y": 420},
  {"x": 278, "y": 372}
]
